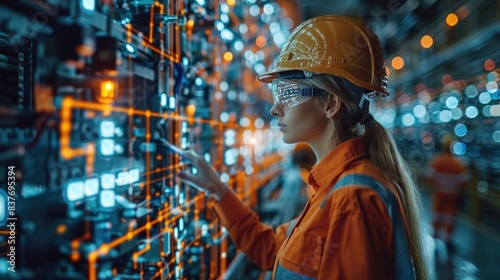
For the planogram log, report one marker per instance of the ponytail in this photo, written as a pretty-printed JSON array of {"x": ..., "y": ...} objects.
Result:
[{"x": 385, "y": 154}]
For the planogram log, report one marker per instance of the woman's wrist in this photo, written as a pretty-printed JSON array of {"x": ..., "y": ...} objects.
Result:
[{"x": 220, "y": 191}]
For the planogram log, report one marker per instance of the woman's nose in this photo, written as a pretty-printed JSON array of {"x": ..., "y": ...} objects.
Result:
[{"x": 276, "y": 110}]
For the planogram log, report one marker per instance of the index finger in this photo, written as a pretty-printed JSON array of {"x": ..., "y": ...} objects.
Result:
[
  {"x": 191, "y": 156},
  {"x": 173, "y": 147}
]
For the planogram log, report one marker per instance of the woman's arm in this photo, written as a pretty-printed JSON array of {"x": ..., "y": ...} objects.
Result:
[{"x": 259, "y": 241}]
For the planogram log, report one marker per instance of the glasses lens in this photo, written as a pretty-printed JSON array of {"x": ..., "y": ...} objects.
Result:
[{"x": 288, "y": 94}]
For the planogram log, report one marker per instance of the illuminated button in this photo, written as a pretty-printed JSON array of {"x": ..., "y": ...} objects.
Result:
[
  {"x": 119, "y": 132},
  {"x": 107, "y": 147},
  {"x": 122, "y": 178},
  {"x": 108, "y": 181},
  {"x": 171, "y": 102},
  {"x": 181, "y": 224},
  {"x": 88, "y": 5},
  {"x": 91, "y": 187},
  {"x": 107, "y": 129},
  {"x": 134, "y": 175},
  {"x": 107, "y": 199},
  {"x": 75, "y": 191},
  {"x": 128, "y": 50},
  {"x": 118, "y": 149},
  {"x": 163, "y": 100}
]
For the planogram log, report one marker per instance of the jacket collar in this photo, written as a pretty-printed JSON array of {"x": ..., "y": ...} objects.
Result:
[{"x": 323, "y": 173}]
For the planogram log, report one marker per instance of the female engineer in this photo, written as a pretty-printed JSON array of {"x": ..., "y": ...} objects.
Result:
[{"x": 363, "y": 220}]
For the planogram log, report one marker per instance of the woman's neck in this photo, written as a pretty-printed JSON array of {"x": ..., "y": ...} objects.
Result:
[{"x": 322, "y": 148}]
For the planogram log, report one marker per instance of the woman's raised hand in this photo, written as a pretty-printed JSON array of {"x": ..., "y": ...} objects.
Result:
[{"x": 206, "y": 178}]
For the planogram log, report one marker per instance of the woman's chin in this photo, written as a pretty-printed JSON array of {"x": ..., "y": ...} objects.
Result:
[{"x": 288, "y": 139}]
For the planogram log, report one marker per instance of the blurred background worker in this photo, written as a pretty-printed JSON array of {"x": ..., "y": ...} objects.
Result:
[
  {"x": 287, "y": 200},
  {"x": 447, "y": 180}
]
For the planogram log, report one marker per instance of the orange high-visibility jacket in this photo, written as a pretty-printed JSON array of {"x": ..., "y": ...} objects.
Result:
[
  {"x": 447, "y": 174},
  {"x": 351, "y": 228}
]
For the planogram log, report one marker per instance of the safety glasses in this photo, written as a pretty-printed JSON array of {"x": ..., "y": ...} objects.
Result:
[{"x": 288, "y": 94}]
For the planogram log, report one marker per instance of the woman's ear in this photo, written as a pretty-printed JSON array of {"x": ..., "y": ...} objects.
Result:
[{"x": 333, "y": 105}]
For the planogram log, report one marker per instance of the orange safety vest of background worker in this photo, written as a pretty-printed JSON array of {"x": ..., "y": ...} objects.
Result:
[
  {"x": 447, "y": 179},
  {"x": 351, "y": 232}
]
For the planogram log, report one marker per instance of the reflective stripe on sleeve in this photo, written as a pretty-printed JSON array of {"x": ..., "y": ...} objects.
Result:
[
  {"x": 285, "y": 274},
  {"x": 447, "y": 179}
]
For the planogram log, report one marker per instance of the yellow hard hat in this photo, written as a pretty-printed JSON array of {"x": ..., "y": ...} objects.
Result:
[{"x": 337, "y": 46}]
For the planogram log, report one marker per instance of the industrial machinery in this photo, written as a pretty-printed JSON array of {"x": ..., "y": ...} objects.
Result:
[{"x": 91, "y": 92}]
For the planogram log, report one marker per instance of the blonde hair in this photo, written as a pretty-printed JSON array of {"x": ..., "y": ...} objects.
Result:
[{"x": 383, "y": 152}]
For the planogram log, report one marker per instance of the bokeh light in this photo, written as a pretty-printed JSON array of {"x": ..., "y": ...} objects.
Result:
[
  {"x": 459, "y": 148},
  {"x": 484, "y": 97},
  {"x": 426, "y": 41},
  {"x": 446, "y": 79},
  {"x": 460, "y": 130},
  {"x": 471, "y": 91},
  {"x": 471, "y": 112},
  {"x": 451, "y": 19},
  {"x": 451, "y": 102},
  {"x": 489, "y": 65},
  {"x": 228, "y": 56},
  {"x": 492, "y": 87},
  {"x": 397, "y": 63}
]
